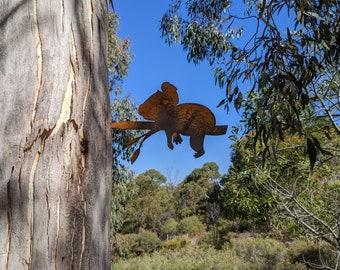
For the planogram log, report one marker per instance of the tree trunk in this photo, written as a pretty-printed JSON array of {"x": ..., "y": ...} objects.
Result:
[{"x": 55, "y": 136}]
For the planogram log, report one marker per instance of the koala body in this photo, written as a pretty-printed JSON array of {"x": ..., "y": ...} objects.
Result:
[{"x": 188, "y": 119}]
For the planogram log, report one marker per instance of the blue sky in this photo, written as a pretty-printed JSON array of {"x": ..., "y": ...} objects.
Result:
[{"x": 155, "y": 62}]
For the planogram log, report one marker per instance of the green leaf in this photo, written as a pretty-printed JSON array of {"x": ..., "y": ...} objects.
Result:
[
  {"x": 235, "y": 90},
  {"x": 312, "y": 153},
  {"x": 319, "y": 147},
  {"x": 288, "y": 35},
  {"x": 280, "y": 132},
  {"x": 223, "y": 101},
  {"x": 228, "y": 88},
  {"x": 304, "y": 100},
  {"x": 238, "y": 101}
]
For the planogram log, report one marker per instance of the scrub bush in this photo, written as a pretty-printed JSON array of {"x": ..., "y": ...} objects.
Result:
[
  {"x": 175, "y": 244},
  {"x": 191, "y": 225},
  {"x": 264, "y": 254}
]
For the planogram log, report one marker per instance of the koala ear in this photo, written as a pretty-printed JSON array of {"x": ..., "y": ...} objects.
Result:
[{"x": 170, "y": 93}]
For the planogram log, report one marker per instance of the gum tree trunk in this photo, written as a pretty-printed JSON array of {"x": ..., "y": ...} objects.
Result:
[{"x": 55, "y": 137}]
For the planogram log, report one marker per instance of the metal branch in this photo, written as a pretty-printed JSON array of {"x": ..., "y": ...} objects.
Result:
[{"x": 145, "y": 125}]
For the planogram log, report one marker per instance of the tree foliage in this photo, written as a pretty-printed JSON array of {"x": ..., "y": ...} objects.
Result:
[
  {"x": 151, "y": 204},
  {"x": 196, "y": 194},
  {"x": 285, "y": 190},
  {"x": 191, "y": 225},
  {"x": 119, "y": 55},
  {"x": 123, "y": 109},
  {"x": 283, "y": 200},
  {"x": 291, "y": 65},
  {"x": 159, "y": 206},
  {"x": 169, "y": 227}
]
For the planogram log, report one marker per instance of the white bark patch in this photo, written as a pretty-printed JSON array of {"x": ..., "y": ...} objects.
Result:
[
  {"x": 67, "y": 104},
  {"x": 90, "y": 9},
  {"x": 39, "y": 60}
]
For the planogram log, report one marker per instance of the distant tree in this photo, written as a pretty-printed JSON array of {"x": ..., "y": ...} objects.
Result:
[
  {"x": 191, "y": 225},
  {"x": 152, "y": 204},
  {"x": 119, "y": 55},
  {"x": 209, "y": 172},
  {"x": 188, "y": 197},
  {"x": 242, "y": 196},
  {"x": 169, "y": 228},
  {"x": 197, "y": 190},
  {"x": 292, "y": 65},
  {"x": 152, "y": 176}
]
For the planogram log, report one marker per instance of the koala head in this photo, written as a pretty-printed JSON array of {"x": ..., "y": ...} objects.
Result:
[
  {"x": 170, "y": 95},
  {"x": 157, "y": 103}
]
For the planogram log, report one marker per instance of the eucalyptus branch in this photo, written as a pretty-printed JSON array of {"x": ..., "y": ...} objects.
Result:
[
  {"x": 319, "y": 221},
  {"x": 301, "y": 214}
]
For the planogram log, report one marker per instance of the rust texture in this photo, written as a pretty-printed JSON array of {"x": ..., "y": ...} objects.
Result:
[{"x": 164, "y": 113}]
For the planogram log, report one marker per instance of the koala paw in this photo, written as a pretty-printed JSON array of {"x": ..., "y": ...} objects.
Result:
[
  {"x": 177, "y": 138},
  {"x": 170, "y": 145},
  {"x": 199, "y": 153}
]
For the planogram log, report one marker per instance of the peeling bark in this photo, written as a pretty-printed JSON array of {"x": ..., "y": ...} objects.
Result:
[{"x": 55, "y": 137}]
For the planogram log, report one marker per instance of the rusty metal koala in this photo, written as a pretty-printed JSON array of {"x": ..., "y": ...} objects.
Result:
[{"x": 188, "y": 119}]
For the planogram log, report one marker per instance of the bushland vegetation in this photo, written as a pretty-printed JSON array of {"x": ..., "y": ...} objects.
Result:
[
  {"x": 278, "y": 205},
  {"x": 278, "y": 215}
]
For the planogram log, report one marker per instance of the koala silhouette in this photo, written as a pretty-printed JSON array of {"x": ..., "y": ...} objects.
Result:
[{"x": 188, "y": 119}]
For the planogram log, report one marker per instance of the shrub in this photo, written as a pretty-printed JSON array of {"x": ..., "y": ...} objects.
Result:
[
  {"x": 121, "y": 247},
  {"x": 220, "y": 234},
  {"x": 145, "y": 242},
  {"x": 190, "y": 225},
  {"x": 308, "y": 252},
  {"x": 185, "y": 212},
  {"x": 286, "y": 229},
  {"x": 117, "y": 248},
  {"x": 169, "y": 228},
  {"x": 207, "y": 240},
  {"x": 261, "y": 253},
  {"x": 188, "y": 258},
  {"x": 175, "y": 244},
  {"x": 129, "y": 245}
]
